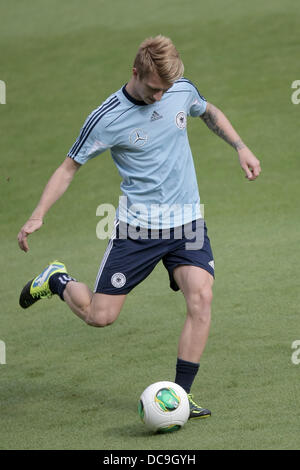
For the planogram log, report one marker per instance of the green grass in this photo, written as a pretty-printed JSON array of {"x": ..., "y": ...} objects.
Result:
[{"x": 69, "y": 386}]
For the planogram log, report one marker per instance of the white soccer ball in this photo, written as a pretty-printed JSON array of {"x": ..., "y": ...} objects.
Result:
[{"x": 164, "y": 407}]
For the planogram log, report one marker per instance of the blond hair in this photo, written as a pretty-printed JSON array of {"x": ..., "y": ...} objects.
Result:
[{"x": 159, "y": 55}]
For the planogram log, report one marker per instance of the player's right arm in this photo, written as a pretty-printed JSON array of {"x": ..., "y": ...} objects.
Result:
[
  {"x": 54, "y": 189},
  {"x": 89, "y": 144}
]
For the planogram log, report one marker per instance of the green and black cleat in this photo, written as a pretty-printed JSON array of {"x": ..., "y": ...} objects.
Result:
[
  {"x": 196, "y": 411},
  {"x": 38, "y": 288}
]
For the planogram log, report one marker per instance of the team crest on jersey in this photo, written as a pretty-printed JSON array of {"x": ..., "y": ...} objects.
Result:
[
  {"x": 118, "y": 280},
  {"x": 181, "y": 120},
  {"x": 138, "y": 137}
]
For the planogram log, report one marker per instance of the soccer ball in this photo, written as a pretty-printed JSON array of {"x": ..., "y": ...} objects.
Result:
[{"x": 164, "y": 407}]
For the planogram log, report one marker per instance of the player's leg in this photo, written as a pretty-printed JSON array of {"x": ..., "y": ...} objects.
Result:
[
  {"x": 102, "y": 307},
  {"x": 196, "y": 286},
  {"x": 95, "y": 309}
]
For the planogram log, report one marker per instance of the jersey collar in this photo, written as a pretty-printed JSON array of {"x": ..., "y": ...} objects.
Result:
[{"x": 130, "y": 98}]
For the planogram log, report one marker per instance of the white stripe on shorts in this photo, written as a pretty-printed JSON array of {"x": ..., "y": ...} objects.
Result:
[{"x": 106, "y": 254}]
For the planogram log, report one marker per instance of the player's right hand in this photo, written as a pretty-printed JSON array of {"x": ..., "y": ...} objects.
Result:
[{"x": 31, "y": 226}]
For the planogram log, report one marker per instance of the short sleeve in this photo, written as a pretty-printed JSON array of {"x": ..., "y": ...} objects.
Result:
[
  {"x": 93, "y": 138},
  {"x": 197, "y": 102}
]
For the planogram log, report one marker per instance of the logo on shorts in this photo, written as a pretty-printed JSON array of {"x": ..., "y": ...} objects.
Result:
[
  {"x": 181, "y": 120},
  {"x": 118, "y": 280},
  {"x": 212, "y": 264}
]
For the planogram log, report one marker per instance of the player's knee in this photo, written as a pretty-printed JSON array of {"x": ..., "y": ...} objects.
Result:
[
  {"x": 101, "y": 318},
  {"x": 200, "y": 302},
  {"x": 98, "y": 321},
  {"x": 203, "y": 296},
  {"x": 206, "y": 295}
]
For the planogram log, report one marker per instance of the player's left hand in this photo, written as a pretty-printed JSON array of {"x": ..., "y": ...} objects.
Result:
[{"x": 249, "y": 163}]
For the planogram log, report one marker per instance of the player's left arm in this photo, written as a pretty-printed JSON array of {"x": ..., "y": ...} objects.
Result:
[{"x": 220, "y": 125}]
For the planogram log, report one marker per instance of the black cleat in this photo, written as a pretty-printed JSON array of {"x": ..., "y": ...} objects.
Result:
[{"x": 26, "y": 298}]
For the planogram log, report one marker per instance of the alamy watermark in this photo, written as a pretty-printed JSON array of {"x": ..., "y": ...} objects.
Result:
[
  {"x": 2, "y": 92},
  {"x": 2, "y": 352},
  {"x": 296, "y": 94},
  {"x": 156, "y": 221},
  {"x": 295, "y": 358}
]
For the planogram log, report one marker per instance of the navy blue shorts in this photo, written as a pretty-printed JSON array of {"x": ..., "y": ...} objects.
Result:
[{"x": 130, "y": 257}]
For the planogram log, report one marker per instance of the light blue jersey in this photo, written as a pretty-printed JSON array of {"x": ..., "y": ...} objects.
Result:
[{"x": 149, "y": 145}]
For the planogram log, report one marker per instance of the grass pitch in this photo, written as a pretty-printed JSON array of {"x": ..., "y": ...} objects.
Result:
[{"x": 68, "y": 386}]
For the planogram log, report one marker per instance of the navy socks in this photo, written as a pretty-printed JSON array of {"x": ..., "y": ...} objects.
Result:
[
  {"x": 58, "y": 283},
  {"x": 185, "y": 373}
]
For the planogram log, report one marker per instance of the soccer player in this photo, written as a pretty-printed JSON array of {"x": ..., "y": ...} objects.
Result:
[{"x": 158, "y": 218}]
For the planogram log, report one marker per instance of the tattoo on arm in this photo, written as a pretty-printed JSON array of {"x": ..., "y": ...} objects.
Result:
[
  {"x": 238, "y": 145},
  {"x": 210, "y": 117}
]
